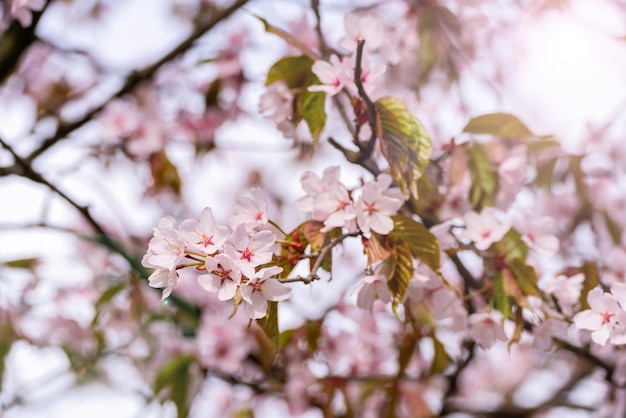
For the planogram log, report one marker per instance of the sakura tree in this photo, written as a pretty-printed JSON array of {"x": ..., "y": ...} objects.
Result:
[{"x": 267, "y": 208}]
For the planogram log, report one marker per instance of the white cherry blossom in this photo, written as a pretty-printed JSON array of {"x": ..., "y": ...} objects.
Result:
[
  {"x": 485, "y": 228},
  {"x": 261, "y": 288},
  {"x": 204, "y": 234},
  {"x": 376, "y": 205},
  {"x": 249, "y": 252},
  {"x": 223, "y": 276},
  {"x": 486, "y": 328},
  {"x": 372, "y": 287}
]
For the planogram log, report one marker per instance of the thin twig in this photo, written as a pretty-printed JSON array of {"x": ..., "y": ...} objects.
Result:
[
  {"x": 136, "y": 78},
  {"x": 367, "y": 150},
  {"x": 312, "y": 276}
]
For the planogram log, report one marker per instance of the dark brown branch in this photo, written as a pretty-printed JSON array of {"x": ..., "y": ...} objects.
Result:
[
  {"x": 15, "y": 41},
  {"x": 312, "y": 276},
  {"x": 315, "y": 5},
  {"x": 368, "y": 148},
  {"x": 136, "y": 78},
  {"x": 28, "y": 172}
]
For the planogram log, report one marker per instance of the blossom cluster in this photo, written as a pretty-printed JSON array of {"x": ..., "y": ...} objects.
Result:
[
  {"x": 230, "y": 259},
  {"x": 332, "y": 203}
]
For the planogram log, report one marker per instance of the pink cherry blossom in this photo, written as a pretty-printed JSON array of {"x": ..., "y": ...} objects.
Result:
[
  {"x": 601, "y": 318},
  {"x": 565, "y": 289},
  {"x": 224, "y": 345},
  {"x": 276, "y": 104},
  {"x": 223, "y": 276},
  {"x": 261, "y": 288},
  {"x": 369, "y": 74},
  {"x": 165, "y": 279},
  {"x": 372, "y": 287},
  {"x": 486, "y": 328},
  {"x": 21, "y": 10},
  {"x": 538, "y": 238},
  {"x": 251, "y": 211},
  {"x": 369, "y": 28},
  {"x": 485, "y": 228},
  {"x": 331, "y": 74},
  {"x": 166, "y": 248},
  {"x": 314, "y": 186},
  {"x": 249, "y": 252},
  {"x": 204, "y": 234},
  {"x": 376, "y": 205}
]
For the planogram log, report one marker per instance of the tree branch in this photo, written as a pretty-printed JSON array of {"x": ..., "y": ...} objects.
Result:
[{"x": 136, "y": 78}]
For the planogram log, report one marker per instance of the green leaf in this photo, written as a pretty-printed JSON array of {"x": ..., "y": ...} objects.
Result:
[
  {"x": 511, "y": 246},
  {"x": 175, "y": 375},
  {"x": 484, "y": 182},
  {"x": 295, "y": 71},
  {"x": 312, "y": 109},
  {"x": 269, "y": 323},
  {"x": 401, "y": 264},
  {"x": 526, "y": 277},
  {"x": 501, "y": 298},
  {"x": 22, "y": 263},
  {"x": 406, "y": 351},
  {"x": 109, "y": 294},
  {"x": 404, "y": 142},
  {"x": 422, "y": 243},
  {"x": 441, "y": 360},
  {"x": 498, "y": 124}
]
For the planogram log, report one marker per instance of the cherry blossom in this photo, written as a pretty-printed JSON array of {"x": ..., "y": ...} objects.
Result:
[
  {"x": 485, "y": 228},
  {"x": 486, "y": 328},
  {"x": 166, "y": 248},
  {"x": 565, "y": 289},
  {"x": 165, "y": 279},
  {"x": 21, "y": 10},
  {"x": 251, "y": 211},
  {"x": 263, "y": 287},
  {"x": 223, "y": 276},
  {"x": 601, "y": 318},
  {"x": 538, "y": 238},
  {"x": 372, "y": 288},
  {"x": 370, "y": 74},
  {"x": 376, "y": 205},
  {"x": 331, "y": 74},
  {"x": 367, "y": 27},
  {"x": 249, "y": 252},
  {"x": 204, "y": 234}
]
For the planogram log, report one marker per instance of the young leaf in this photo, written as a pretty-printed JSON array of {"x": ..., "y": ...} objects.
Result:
[
  {"x": 175, "y": 374},
  {"x": 501, "y": 298},
  {"x": 498, "y": 124},
  {"x": 22, "y": 263},
  {"x": 422, "y": 243},
  {"x": 511, "y": 246},
  {"x": 269, "y": 324},
  {"x": 404, "y": 142},
  {"x": 441, "y": 360},
  {"x": 312, "y": 109},
  {"x": 295, "y": 71},
  {"x": 526, "y": 277},
  {"x": 484, "y": 182},
  {"x": 401, "y": 261}
]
